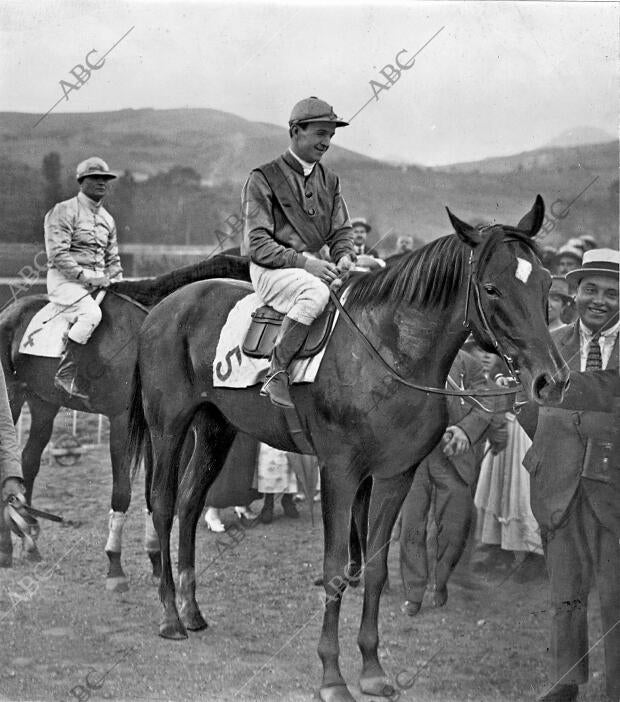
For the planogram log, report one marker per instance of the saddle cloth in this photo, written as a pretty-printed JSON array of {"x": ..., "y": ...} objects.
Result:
[
  {"x": 44, "y": 336},
  {"x": 233, "y": 368}
]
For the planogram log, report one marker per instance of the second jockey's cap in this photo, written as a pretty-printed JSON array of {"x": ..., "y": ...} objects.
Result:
[
  {"x": 93, "y": 166},
  {"x": 313, "y": 109}
]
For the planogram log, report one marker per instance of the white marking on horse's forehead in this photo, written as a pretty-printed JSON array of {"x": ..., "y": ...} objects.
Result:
[{"x": 524, "y": 268}]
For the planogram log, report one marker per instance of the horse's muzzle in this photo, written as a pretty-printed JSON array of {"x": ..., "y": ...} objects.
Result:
[{"x": 549, "y": 389}]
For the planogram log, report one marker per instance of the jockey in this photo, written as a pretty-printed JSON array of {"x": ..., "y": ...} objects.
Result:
[
  {"x": 82, "y": 256},
  {"x": 291, "y": 206}
]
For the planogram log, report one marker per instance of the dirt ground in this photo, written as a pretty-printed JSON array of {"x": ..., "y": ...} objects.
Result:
[{"x": 69, "y": 639}]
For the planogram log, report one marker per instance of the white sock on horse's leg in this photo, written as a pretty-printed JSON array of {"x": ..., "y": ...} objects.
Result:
[
  {"x": 151, "y": 540},
  {"x": 115, "y": 533}
]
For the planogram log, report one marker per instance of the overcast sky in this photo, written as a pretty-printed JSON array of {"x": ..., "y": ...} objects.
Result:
[{"x": 499, "y": 78}]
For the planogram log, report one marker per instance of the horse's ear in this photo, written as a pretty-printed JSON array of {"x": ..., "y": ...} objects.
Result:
[
  {"x": 465, "y": 232},
  {"x": 532, "y": 222}
]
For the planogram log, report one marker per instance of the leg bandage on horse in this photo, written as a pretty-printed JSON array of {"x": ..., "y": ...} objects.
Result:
[{"x": 115, "y": 535}]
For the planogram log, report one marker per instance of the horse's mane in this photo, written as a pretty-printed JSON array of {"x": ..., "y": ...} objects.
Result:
[
  {"x": 431, "y": 276},
  {"x": 150, "y": 291}
]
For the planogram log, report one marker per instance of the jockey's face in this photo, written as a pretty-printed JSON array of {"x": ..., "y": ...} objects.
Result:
[
  {"x": 94, "y": 187},
  {"x": 312, "y": 141}
]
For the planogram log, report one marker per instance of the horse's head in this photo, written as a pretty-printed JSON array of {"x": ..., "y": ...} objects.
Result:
[{"x": 507, "y": 302}]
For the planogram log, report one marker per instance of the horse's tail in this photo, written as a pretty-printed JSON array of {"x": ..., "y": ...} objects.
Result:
[{"x": 138, "y": 437}]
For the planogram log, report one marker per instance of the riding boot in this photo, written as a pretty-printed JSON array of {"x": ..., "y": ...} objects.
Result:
[
  {"x": 67, "y": 374},
  {"x": 290, "y": 339}
]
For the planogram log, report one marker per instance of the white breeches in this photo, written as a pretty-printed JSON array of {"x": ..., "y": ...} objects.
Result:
[
  {"x": 78, "y": 305},
  {"x": 292, "y": 291}
]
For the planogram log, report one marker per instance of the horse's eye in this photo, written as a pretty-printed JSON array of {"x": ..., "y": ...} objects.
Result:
[{"x": 491, "y": 290}]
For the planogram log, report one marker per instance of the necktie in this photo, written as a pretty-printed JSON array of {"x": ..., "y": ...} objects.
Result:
[{"x": 594, "y": 360}]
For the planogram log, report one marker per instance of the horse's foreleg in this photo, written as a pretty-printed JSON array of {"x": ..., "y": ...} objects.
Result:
[
  {"x": 386, "y": 499},
  {"x": 359, "y": 533},
  {"x": 151, "y": 540},
  {"x": 116, "y": 579},
  {"x": 42, "y": 415},
  {"x": 41, "y": 425},
  {"x": 212, "y": 442},
  {"x": 337, "y": 495}
]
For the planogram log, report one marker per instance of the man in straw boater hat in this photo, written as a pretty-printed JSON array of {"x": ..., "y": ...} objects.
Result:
[
  {"x": 82, "y": 256},
  {"x": 293, "y": 206},
  {"x": 575, "y": 487}
]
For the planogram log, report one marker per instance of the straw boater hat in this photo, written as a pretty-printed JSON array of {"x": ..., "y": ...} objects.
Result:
[
  {"x": 571, "y": 251},
  {"x": 596, "y": 262},
  {"x": 589, "y": 241}
]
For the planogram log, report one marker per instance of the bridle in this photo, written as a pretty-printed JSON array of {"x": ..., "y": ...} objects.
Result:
[
  {"x": 473, "y": 283},
  {"x": 473, "y": 291}
]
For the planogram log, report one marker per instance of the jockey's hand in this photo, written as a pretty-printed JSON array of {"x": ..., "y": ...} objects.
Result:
[
  {"x": 324, "y": 270},
  {"x": 455, "y": 441},
  {"x": 97, "y": 281},
  {"x": 344, "y": 264},
  {"x": 13, "y": 486}
]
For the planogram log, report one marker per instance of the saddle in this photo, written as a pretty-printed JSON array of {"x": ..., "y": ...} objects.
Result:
[{"x": 265, "y": 327}]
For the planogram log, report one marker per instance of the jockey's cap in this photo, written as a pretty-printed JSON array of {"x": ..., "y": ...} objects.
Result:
[
  {"x": 313, "y": 109},
  {"x": 93, "y": 166}
]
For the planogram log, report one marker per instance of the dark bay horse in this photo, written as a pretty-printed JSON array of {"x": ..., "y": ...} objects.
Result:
[
  {"x": 110, "y": 357},
  {"x": 363, "y": 421}
]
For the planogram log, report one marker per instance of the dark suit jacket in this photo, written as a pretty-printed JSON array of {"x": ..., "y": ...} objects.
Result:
[
  {"x": 566, "y": 453},
  {"x": 467, "y": 371}
]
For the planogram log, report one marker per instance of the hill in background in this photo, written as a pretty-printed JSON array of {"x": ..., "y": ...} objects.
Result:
[{"x": 185, "y": 169}]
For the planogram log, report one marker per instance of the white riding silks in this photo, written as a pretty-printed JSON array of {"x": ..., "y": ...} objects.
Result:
[{"x": 115, "y": 535}]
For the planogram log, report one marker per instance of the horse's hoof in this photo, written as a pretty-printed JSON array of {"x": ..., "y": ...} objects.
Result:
[
  {"x": 194, "y": 621},
  {"x": 117, "y": 584},
  {"x": 335, "y": 693},
  {"x": 6, "y": 560},
  {"x": 172, "y": 630},
  {"x": 377, "y": 685}
]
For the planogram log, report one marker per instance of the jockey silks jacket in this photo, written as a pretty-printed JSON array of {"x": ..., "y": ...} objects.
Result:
[
  {"x": 269, "y": 239},
  {"x": 80, "y": 234}
]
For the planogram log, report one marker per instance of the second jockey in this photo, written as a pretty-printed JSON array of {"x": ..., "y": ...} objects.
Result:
[
  {"x": 291, "y": 206},
  {"x": 82, "y": 255}
]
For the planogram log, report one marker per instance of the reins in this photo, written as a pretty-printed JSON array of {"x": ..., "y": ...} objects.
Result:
[{"x": 472, "y": 283}]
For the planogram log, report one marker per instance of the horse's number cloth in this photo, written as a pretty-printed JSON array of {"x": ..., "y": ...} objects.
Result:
[
  {"x": 233, "y": 369},
  {"x": 45, "y": 334}
]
